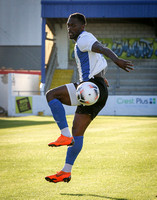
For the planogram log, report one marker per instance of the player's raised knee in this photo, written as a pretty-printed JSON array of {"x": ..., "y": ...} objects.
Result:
[{"x": 50, "y": 95}]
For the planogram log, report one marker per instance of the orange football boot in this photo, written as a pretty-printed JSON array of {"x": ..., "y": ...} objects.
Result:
[
  {"x": 59, "y": 177},
  {"x": 61, "y": 141}
]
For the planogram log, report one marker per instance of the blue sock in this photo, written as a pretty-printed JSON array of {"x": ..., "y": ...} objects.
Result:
[
  {"x": 58, "y": 113},
  {"x": 73, "y": 151}
]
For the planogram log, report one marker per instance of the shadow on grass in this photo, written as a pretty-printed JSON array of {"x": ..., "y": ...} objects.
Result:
[
  {"x": 20, "y": 123},
  {"x": 94, "y": 195}
]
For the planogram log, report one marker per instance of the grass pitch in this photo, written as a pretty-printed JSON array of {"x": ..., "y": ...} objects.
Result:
[{"x": 118, "y": 160}]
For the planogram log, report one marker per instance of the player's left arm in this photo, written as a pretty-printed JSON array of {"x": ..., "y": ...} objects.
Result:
[{"x": 126, "y": 65}]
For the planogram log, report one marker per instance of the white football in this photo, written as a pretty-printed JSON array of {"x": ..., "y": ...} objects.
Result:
[{"x": 87, "y": 93}]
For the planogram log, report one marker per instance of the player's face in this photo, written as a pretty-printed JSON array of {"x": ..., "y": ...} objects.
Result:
[{"x": 75, "y": 27}]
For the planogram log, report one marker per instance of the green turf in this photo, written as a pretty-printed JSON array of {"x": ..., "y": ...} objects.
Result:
[{"x": 118, "y": 160}]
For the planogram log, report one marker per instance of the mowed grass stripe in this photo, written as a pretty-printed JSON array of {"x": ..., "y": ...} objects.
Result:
[{"x": 118, "y": 159}]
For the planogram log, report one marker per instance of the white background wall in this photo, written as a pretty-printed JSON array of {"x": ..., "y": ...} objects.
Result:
[
  {"x": 25, "y": 84},
  {"x": 4, "y": 91},
  {"x": 20, "y": 22},
  {"x": 116, "y": 105},
  {"x": 20, "y": 84},
  {"x": 113, "y": 108},
  {"x": 62, "y": 45}
]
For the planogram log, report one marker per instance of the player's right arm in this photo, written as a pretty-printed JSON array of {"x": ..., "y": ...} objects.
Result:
[{"x": 126, "y": 65}]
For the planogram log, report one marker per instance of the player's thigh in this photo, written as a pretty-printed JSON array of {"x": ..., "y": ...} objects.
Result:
[
  {"x": 61, "y": 93},
  {"x": 80, "y": 124}
]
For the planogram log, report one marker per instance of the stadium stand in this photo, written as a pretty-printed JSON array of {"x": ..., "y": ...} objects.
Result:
[
  {"x": 141, "y": 81},
  {"x": 61, "y": 77}
]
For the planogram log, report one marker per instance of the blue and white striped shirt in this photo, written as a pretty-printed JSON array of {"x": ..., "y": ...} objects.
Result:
[{"x": 89, "y": 63}]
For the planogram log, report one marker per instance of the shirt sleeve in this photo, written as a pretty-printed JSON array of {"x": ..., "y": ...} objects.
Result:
[{"x": 86, "y": 42}]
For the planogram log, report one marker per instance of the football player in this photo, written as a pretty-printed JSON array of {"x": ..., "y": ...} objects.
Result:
[{"x": 91, "y": 66}]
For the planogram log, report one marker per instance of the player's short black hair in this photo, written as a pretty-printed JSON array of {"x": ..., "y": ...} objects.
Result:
[{"x": 80, "y": 17}]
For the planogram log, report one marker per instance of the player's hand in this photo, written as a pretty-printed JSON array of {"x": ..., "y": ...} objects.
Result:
[{"x": 124, "y": 64}]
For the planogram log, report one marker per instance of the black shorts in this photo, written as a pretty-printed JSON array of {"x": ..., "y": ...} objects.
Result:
[{"x": 94, "y": 109}]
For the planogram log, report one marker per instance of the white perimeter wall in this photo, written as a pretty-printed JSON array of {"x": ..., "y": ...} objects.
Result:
[
  {"x": 17, "y": 85},
  {"x": 116, "y": 105},
  {"x": 25, "y": 84},
  {"x": 20, "y": 22},
  {"x": 4, "y": 91}
]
